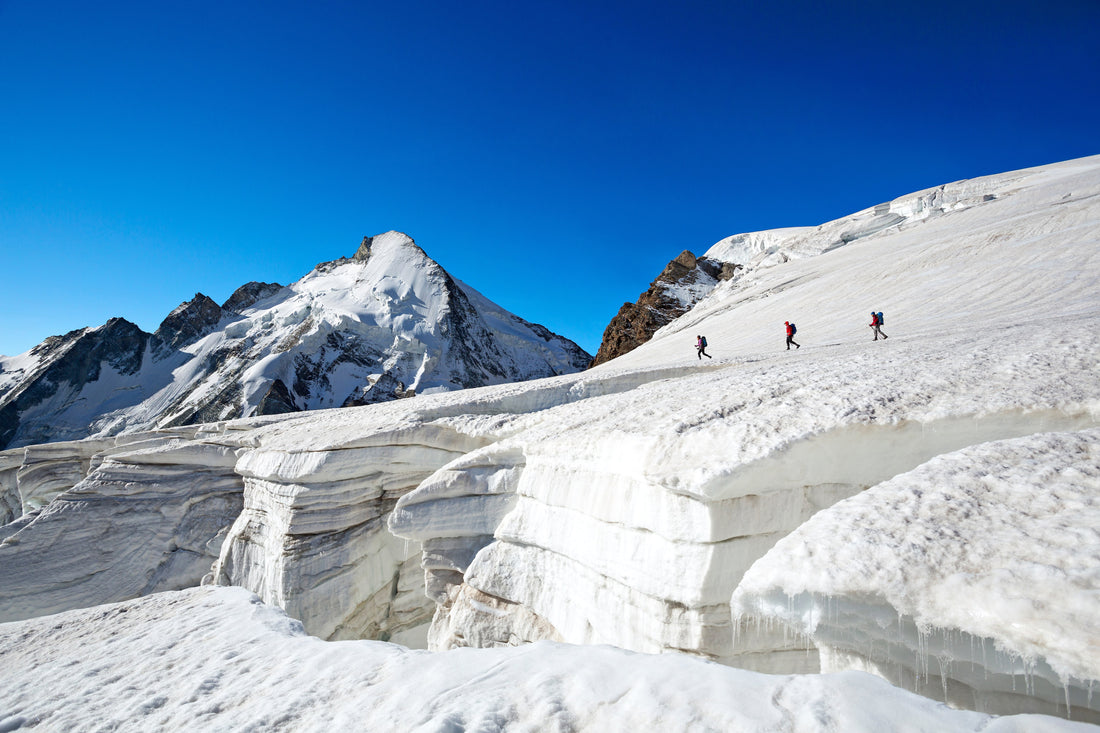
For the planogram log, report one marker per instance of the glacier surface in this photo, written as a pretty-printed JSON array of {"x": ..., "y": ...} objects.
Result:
[{"x": 645, "y": 503}]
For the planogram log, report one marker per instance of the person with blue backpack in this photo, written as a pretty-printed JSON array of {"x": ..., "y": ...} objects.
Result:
[
  {"x": 701, "y": 347},
  {"x": 791, "y": 331},
  {"x": 876, "y": 325}
]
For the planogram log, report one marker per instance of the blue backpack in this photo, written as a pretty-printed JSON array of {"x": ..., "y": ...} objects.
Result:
[
  {"x": 703, "y": 340},
  {"x": 794, "y": 329},
  {"x": 881, "y": 320}
]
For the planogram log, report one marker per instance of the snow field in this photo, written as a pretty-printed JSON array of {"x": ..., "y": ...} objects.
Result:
[{"x": 218, "y": 659}]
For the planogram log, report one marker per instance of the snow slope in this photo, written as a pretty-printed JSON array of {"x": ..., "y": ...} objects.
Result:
[
  {"x": 624, "y": 505},
  {"x": 216, "y": 659}
]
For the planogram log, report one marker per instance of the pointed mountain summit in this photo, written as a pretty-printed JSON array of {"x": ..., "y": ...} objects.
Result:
[{"x": 386, "y": 323}]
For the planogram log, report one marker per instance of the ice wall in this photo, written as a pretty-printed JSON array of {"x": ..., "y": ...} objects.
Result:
[
  {"x": 11, "y": 505},
  {"x": 49, "y": 469},
  {"x": 629, "y": 518},
  {"x": 312, "y": 536},
  {"x": 146, "y": 520}
]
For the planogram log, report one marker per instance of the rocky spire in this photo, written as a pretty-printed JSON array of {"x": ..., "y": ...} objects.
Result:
[
  {"x": 248, "y": 294},
  {"x": 363, "y": 253}
]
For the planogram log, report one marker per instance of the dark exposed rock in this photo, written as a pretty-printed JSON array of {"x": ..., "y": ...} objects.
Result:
[
  {"x": 385, "y": 388},
  {"x": 68, "y": 363},
  {"x": 683, "y": 282},
  {"x": 718, "y": 270},
  {"x": 188, "y": 323},
  {"x": 249, "y": 294},
  {"x": 363, "y": 253},
  {"x": 277, "y": 400}
]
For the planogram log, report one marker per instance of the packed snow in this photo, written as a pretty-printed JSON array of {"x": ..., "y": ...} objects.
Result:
[
  {"x": 629, "y": 504},
  {"x": 945, "y": 561},
  {"x": 217, "y": 659}
]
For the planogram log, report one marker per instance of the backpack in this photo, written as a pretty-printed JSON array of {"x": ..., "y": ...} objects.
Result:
[
  {"x": 794, "y": 330},
  {"x": 703, "y": 340},
  {"x": 881, "y": 320}
]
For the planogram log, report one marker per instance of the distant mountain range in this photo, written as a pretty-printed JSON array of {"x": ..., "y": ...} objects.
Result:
[{"x": 388, "y": 322}]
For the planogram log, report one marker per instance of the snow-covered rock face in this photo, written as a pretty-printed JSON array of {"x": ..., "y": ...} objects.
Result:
[
  {"x": 975, "y": 577},
  {"x": 387, "y": 323}
]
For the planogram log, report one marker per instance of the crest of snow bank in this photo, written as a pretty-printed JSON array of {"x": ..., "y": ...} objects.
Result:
[
  {"x": 217, "y": 659},
  {"x": 1004, "y": 249},
  {"x": 1000, "y": 541},
  {"x": 776, "y": 246}
]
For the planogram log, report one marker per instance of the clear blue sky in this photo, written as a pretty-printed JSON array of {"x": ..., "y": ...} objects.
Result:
[{"x": 553, "y": 155}]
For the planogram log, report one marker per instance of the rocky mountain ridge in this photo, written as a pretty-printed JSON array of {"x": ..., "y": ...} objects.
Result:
[{"x": 387, "y": 322}]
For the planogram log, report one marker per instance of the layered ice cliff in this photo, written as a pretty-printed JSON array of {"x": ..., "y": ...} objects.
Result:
[{"x": 630, "y": 504}]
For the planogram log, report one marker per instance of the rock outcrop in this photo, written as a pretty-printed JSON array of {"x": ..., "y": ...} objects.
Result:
[
  {"x": 248, "y": 295},
  {"x": 683, "y": 282},
  {"x": 189, "y": 322}
]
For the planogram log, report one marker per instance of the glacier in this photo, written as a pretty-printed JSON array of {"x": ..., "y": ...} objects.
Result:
[{"x": 662, "y": 506}]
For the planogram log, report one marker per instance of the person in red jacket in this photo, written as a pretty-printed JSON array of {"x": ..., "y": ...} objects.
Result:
[
  {"x": 791, "y": 330},
  {"x": 876, "y": 325}
]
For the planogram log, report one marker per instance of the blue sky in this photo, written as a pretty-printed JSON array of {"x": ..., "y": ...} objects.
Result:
[{"x": 555, "y": 156}]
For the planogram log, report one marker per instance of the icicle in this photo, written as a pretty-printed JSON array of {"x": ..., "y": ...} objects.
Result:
[{"x": 944, "y": 665}]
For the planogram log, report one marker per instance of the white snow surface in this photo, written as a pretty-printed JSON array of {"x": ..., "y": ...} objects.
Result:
[
  {"x": 624, "y": 505},
  {"x": 998, "y": 541},
  {"x": 216, "y": 659}
]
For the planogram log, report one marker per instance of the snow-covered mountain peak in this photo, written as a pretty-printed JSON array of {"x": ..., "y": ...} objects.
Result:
[{"x": 388, "y": 322}]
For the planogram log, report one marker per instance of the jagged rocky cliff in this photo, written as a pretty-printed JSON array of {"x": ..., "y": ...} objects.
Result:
[{"x": 388, "y": 322}]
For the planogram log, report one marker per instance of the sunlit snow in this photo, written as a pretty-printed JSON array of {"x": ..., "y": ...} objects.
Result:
[{"x": 625, "y": 505}]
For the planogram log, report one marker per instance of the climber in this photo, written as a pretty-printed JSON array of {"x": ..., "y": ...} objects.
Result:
[
  {"x": 791, "y": 331},
  {"x": 701, "y": 347},
  {"x": 876, "y": 325}
]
